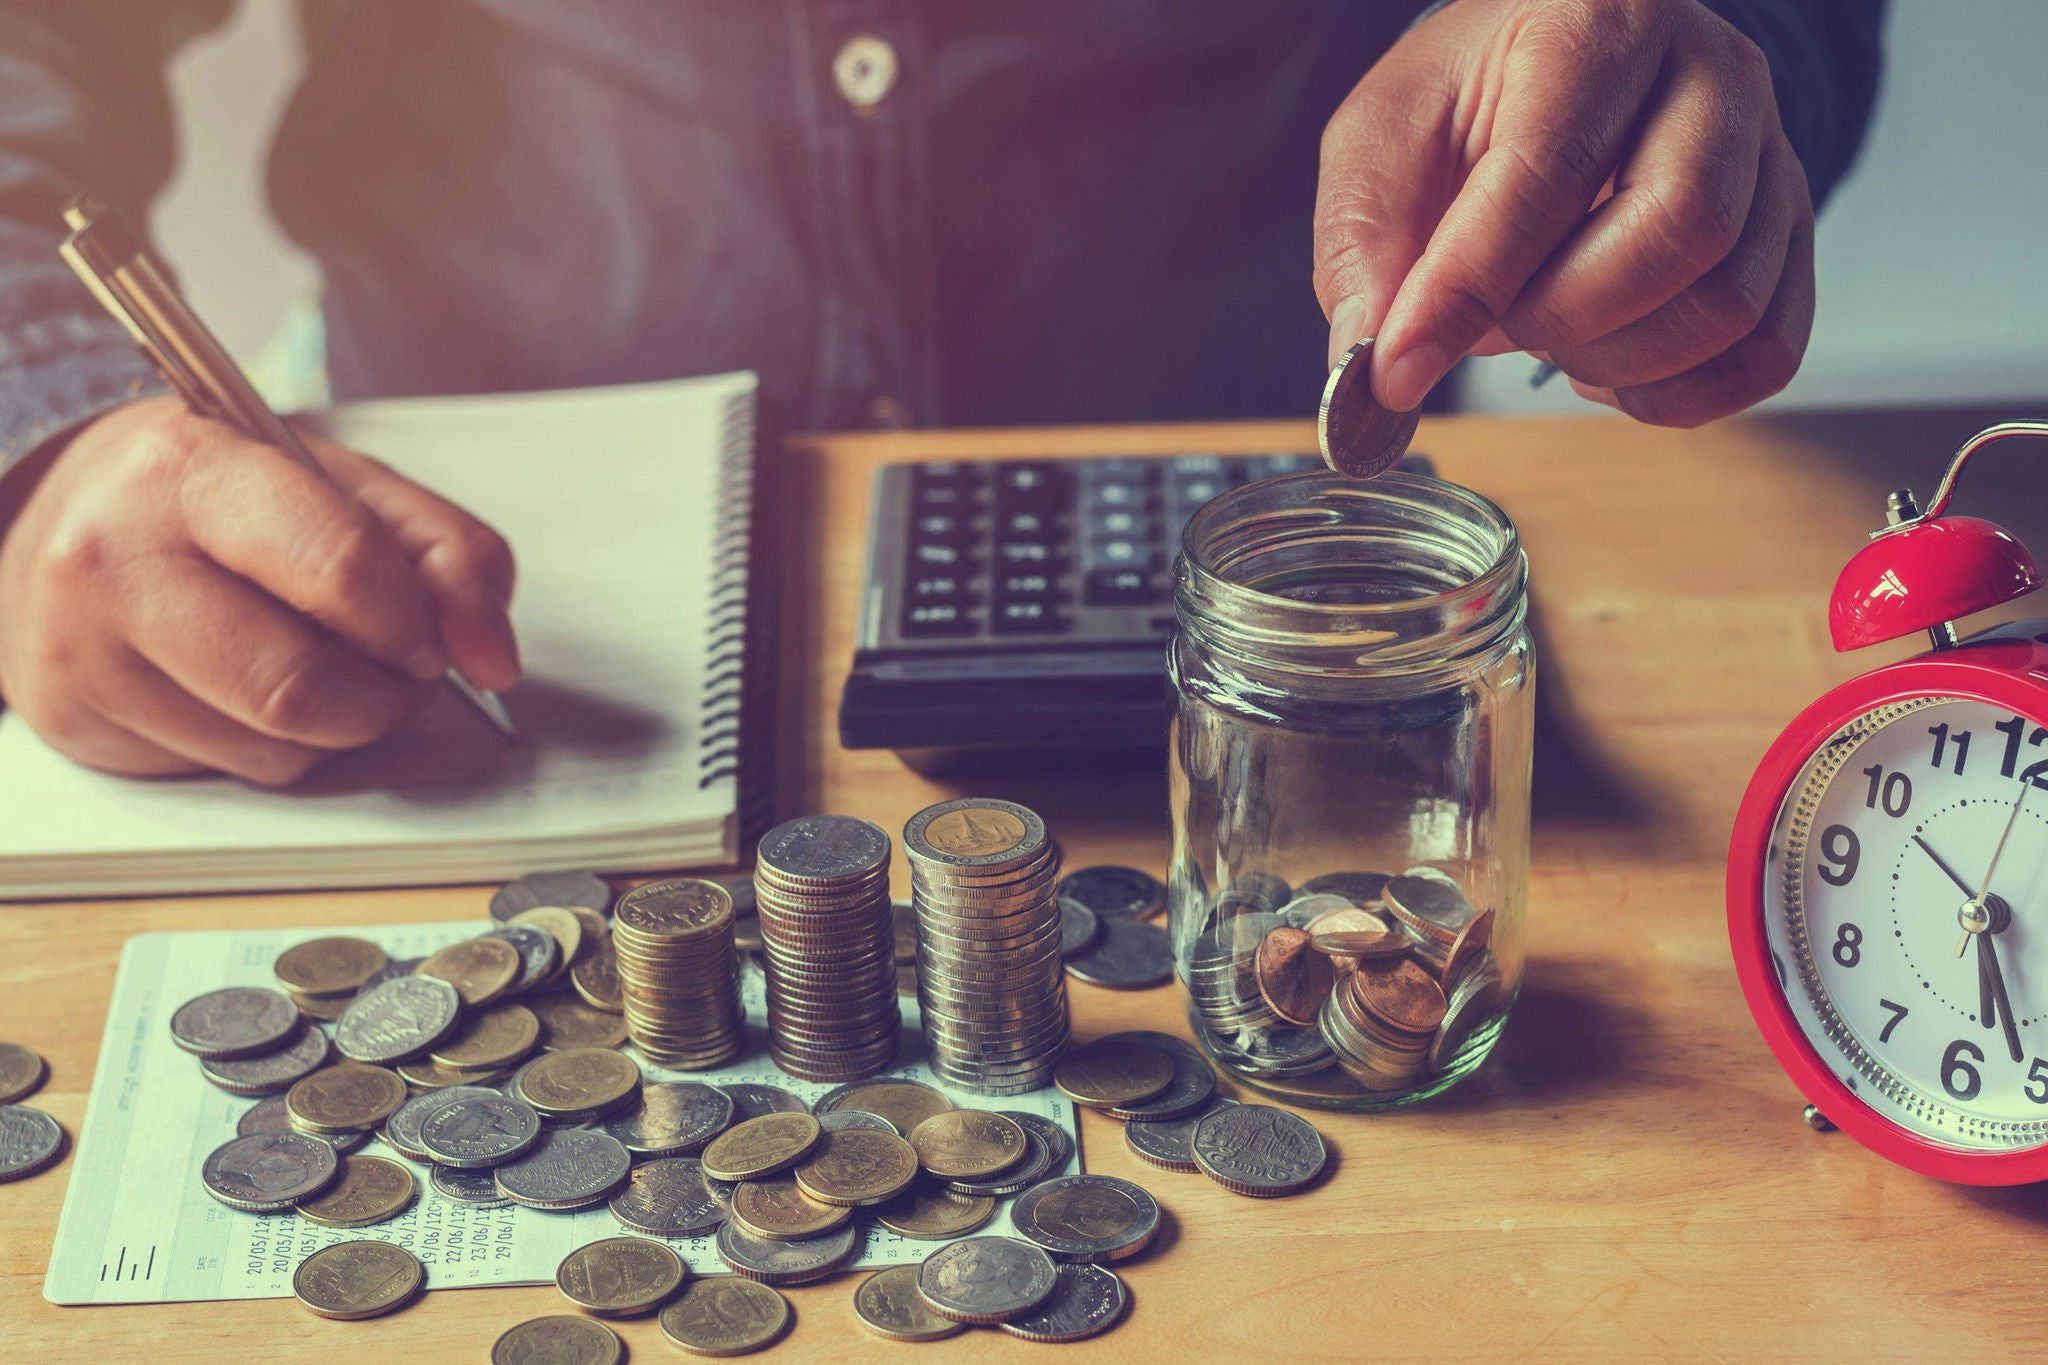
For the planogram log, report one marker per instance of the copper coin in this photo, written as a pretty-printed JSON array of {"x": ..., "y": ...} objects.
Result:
[
  {"x": 1386, "y": 944},
  {"x": 1472, "y": 941},
  {"x": 1294, "y": 978},
  {"x": 1400, "y": 993}
]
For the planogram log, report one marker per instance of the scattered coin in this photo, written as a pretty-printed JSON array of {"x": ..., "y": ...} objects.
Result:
[
  {"x": 271, "y": 1073},
  {"x": 1194, "y": 1080},
  {"x": 480, "y": 969},
  {"x": 1359, "y": 438},
  {"x": 321, "y": 1009},
  {"x": 262, "y": 1173},
  {"x": 1115, "y": 892},
  {"x": 30, "y": 1141},
  {"x": 839, "y": 1120},
  {"x": 328, "y": 966},
  {"x": 778, "y": 1210},
  {"x": 537, "y": 889},
  {"x": 725, "y": 1315},
  {"x": 567, "y": 1022},
  {"x": 620, "y": 1277},
  {"x": 1170, "y": 1143},
  {"x": 887, "y": 1304},
  {"x": 673, "y": 1117},
  {"x": 1293, "y": 977},
  {"x": 1086, "y": 1301},
  {"x": 21, "y": 1072},
  {"x": 579, "y": 1084},
  {"x": 489, "y": 1039},
  {"x": 540, "y": 956},
  {"x": 400, "y": 1019},
  {"x": 426, "y": 1074},
  {"x": 904, "y": 1103},
  {"x": 1258, "y": 1150},
  {"x": 1058, "y": 1146},
  {"x": 355, "y": 1280},
  {"x": 369, "y": 1190},
  {"x": 1079, "y": 927},
  {"x": 1131, "y": 955},
  {"x": 477, "y": 1131},
  {"x": 858, "y": 1167},
  {"x": 781, "y": 1263},
  {"x": 595, "y": 977},
  {"x": 932, "y": 1213},
  {"x": 269, "y": 1115},
  {"x": 558, "y": 923},
  {"x": 968, "y": 1144},
  {"x": 563, "y": 1339},
  {"x": 984, "y": 1280},
  {"x": 762, "y": 1146},
  {"x": 567, "y": 1169},
  {"x": 1114, "y": 1073},
  {"x": 750, "y": 1100},
  {"x": 666, "y": 1197},
  {"x": 240, "y": 1021},
  {"x": 1037, "y": 1159},
  {"x": 1087, "y": 1218},
  {"x": 475, "y": 1188},
  {"x": 343, "y": 1097}
]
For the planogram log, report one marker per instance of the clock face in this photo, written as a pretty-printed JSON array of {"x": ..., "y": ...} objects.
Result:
[{"x": 1883, "y": 843}]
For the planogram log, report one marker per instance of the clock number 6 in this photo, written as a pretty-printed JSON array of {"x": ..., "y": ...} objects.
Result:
[{"x": 1952, "y": 1065}]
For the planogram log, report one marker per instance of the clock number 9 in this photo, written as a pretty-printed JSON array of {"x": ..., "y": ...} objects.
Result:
[{"x": 1839, "y": 847}]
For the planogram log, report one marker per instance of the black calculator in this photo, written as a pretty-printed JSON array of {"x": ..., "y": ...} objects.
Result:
[{"x": 1022, "y": 608}]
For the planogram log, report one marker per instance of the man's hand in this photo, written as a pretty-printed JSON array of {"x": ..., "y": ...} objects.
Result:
[
  {"x": 1602, "y": 182},
  {"x": 175, "y": 598}
]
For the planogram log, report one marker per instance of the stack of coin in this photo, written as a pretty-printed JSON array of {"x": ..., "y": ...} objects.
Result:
[
  {"x": 990, "y": 982},
  {"x": 821, "y": 890},
  {"x": 1379, "y": 1021},
  {"x": 1239, "y": 1023},
  {"x": 679, "y": 974}
]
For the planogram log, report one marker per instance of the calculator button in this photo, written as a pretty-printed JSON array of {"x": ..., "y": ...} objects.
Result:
[
  {"x": 944, "y": 471},
  {"x": 941, "y": 526},
  {"x": 1123, "y": 493},
  {"x": 926, "y": 587},
  {"x": 1026, "y": 617},
  {"x": 1116, "y": 525},
  {"x": 1110, "y": 587},
  {"x": 1192, "y": 493},
  {"x": 1199, "y": 465},
  {"x": 942, "y": 497},
  {"x": 1022, "y": 553},
  {"x": 937, "y": 554},
  {"x": 1028, "y": 585},
  {"x": 937, "y": 618},
  {"x": 1119, "y": 554},
  {"x": 1029, "y": 483},
  {"x": 1026, "y": 525},
  {"x": 1120, "y": 469}
]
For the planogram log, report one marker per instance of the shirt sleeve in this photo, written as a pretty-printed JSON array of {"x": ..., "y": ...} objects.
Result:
[
  {"x": 84, "y": 106},
  {"x": 1825, "y": 57}
]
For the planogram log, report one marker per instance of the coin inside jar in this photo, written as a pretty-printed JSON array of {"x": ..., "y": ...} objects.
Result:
[
  {"x": 1113, "y": 1073},
  {"x": 1468, "y": 947},
  {"x": 968, "y": 1144},
  {"x": 1293, "y": 977},
  {"x": 620, "y": 1277},
  {"x": 1401, "y": 993}
]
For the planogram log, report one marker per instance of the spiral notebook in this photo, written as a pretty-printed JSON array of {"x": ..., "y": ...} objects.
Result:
[{"x": 628, "y": 508}]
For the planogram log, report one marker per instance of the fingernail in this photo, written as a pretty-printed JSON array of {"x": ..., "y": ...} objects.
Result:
[
  {"x": 1406, "y": 382},
  {"x": 427, "y": 663},
  {"x": 1347, "y": 327},
  {"x": 1594, "y": 394}
]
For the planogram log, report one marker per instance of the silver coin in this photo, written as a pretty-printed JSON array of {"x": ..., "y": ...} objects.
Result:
[
  {"x": 1359, "y": 438},
  {"x": 399, "y": 1019},
  {"x": 401, "y": 1131},
  {"x": 840, "y": 1119},
  {"x": 1086, "y": 1302},
  {"x": 567, "y": 1168},
  {"x": 1058, "y": 1145},
  {"x": 823, "y": 848},
  {"x": 239, "y": 1021},
  {"x": 1014, "y": 856},
  {"x": 1477, "y": 998},
  {"x": 673, "y": 1117},
  {"x": 986, "y": 1279},
  {"x": 750, "y": 1100},
  {"x": 1360, "y": 888},
  {"x": 1115, "y": 892},
  {"x": 30, "y": 1141},
  {"x": 270, "y": 1073},
  {"x": 1262, "y": 890},
  {"x": 268, "y": 1172},
  {"x": 564, "y": 889},
  {"x": 780, "y": 1263},
  {"x": 479, "y": 1130},
  {"x": 1030, "y": 1169},
  {"x": 388, "y": 972},
  {"x": 1308, "y": 907},
  {"x": 1087, "y": 1217},
  {"x": 1131, "y": 955},
  {"x": 475, "y": 1188},
  {"x": 539, "y": 952},
  {"x": 1170, "y": 1143},
  {"x": 273, "y": 1115},
  {"x": 1078, "y": 927},
  {"x": 1259, "y": 1150},
  {"x": 1427, "y": 901},
  {"x": 668, "y": 1197}
]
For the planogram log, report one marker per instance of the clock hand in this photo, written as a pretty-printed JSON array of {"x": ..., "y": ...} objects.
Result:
[
  {"x": 2026, "y": 785},
  {"x": 2012, "y": 1033},
  {"x": 1939, "y": 862},
  {"x": 1987, "y": 1003}
]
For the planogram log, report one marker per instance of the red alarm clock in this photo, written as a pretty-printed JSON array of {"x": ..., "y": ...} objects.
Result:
[{"x": 1888, "y": 873}]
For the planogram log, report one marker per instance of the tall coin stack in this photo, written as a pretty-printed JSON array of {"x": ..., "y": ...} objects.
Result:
[
  {"x": 989, "y": 978},
  {"x": 679, "y": 973},
  {"x": 821, "y": 888}
]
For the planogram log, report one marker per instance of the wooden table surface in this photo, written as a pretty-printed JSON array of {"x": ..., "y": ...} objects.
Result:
[{"x": 1628, "y": 1176}]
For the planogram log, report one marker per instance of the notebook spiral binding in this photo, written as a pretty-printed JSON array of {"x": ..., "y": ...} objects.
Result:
[{"x": 719, "y": 721}]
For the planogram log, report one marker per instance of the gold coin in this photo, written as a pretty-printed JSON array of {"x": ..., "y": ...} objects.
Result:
[
  {"x": 968, "y": 1144},
  {"x": 352, "y": 1280},
  {"x": 566, "y": 1022},
  {"x": 323, "y": 1008},
  {"x": 480, "y": 969},
  {"x": 343, "y": 1098},
  {"x": 904, "y": 1103},
  {"x": 620, "y": 1277},
  {"x": 563, "y": 927},
  {"x": 975, "y": 832},
  {"x": 581, "y": 1080},
  {"x": 563, "y": 1339},
  {"x": 431, "y": 1075},
  {"x": 781, "y": 1212},
  {"x": 21, "y": 1072},
  {"x": 490, "y": 1040},
  {"x": 328, "y": 966},
  {"x": 888, "y": 1304},
  {"x": 932, "y": 1213},
  {"x": 371, "y": 1189},
  {"x": 724, "y": 1315},
  {"x": 596, "y": 927},
  {"x": 596, "y": 978},
  {"x": 1114, "y": 1074},
  {"x": 761, "y": 1146},
  {"x": 682, "y": 907},
  {"x": 858, "y": 1167}
]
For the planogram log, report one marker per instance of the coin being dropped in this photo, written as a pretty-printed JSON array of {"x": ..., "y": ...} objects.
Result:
[
  {"x": 21, "y": 1072},
  {"x": 354, "y": 1280},
  {"x": 1359, "y": 438},
  {"x": 564, "y": 1339},
  {"x": 888, "y": 1305},
  {"x": 620, "y": 1277},
  {"x": 725, "y": 1315},
  {"x": 1087, "y": 1301},
  {"x": 30, "y": 1140},
  {"x": 667, "y": 1197}
]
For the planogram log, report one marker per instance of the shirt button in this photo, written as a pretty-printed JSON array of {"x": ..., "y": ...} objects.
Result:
[{"x": 865, "y": 71}]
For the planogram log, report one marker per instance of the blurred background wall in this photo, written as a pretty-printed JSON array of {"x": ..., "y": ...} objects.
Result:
[{"x": 1933, "y": 274}]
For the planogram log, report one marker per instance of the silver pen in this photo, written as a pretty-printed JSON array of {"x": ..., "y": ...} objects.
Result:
[{"x": 117, "y": 267}]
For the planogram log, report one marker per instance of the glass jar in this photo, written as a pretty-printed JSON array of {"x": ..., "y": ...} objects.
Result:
[{"x": 1354, "y": 683}]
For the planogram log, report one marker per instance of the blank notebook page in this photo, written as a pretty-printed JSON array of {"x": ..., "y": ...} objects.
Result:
[{"x": 623, "y": 506}]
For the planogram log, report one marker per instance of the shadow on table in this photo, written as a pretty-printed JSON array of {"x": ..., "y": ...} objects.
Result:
[{"x": 1566, "y": 1039}]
